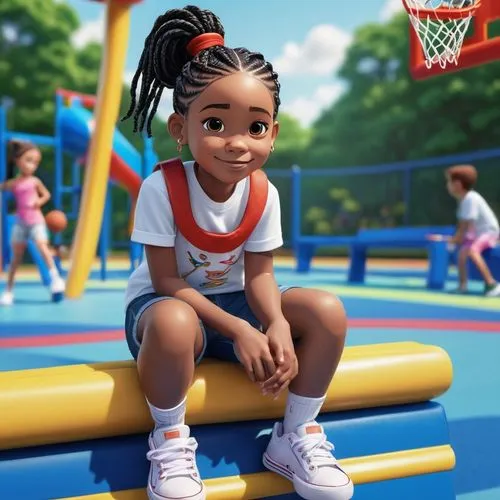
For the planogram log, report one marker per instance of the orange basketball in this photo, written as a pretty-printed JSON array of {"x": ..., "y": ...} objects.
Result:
[{"x": 56, "y": 221}]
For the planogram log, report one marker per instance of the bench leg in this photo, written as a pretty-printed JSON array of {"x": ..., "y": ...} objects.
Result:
[
  {"x": 357, "y": 267},
  {"x": 304, "y": 255},
  {"x": 438, "y": 265}
]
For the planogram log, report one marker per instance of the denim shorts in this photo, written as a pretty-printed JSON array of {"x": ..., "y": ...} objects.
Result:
[
  {"x": 22, "y": 232},
  {"x": 215, "y": 345}
]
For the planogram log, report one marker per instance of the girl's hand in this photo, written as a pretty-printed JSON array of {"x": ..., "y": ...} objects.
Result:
[
  {"x": 252, "y": 348},
  {"x": 282, "y": 348},
  {"x": 435, "y": 237}
]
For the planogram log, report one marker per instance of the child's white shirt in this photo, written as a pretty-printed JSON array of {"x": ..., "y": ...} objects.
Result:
[
  {"x": 209, "y": 273},
  {"x": 473, "y": 207}
]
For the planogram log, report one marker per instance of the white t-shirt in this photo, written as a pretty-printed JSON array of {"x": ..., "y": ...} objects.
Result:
[
  {"x": 473, "y": 207},
  {"x": 208, "y": 273}
]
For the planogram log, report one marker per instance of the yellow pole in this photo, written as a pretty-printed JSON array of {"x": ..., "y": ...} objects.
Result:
[{"x": 98, "y": 162}]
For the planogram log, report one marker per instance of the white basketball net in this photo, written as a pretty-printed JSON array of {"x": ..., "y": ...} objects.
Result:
[{"x": 441, "y": 38}]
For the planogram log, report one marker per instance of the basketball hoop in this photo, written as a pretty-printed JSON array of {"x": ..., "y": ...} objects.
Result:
[{"x": 441, "y": 26}]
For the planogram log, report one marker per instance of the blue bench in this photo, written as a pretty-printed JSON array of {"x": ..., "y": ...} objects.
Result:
[{"x": 402, "y": 237}]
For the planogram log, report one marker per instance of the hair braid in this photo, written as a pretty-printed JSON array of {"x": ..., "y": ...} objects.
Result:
[{"x": 166, "y": 63}]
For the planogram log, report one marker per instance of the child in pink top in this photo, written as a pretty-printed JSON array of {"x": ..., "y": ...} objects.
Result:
[{"x": 30, "y": 195}]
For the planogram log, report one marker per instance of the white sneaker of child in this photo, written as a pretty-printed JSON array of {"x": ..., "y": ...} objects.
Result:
[
  {"x": 173, "y": 474},
  {"x": 305, "y": 458},
  {"x": 6, "y": 299}
]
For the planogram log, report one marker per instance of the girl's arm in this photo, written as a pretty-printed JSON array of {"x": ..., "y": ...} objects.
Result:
[
  {"x": 43, "y": 194},
  {"x": 462, "y": 228},
  {"x": 261, "y": 289},
  {"x": 166, "y": 281}
]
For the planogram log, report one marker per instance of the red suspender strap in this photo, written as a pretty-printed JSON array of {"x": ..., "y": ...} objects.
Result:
[{"x": 174, "y": 175}]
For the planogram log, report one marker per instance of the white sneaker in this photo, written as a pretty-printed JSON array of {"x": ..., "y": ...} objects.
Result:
[
  {"x": 6, "y": 299},
  {"x": 173, "y": 474},
  {"x": 493, "y": 291},
  {"x": 57, "y": 285},
  {"x": 305, "y": 458}
]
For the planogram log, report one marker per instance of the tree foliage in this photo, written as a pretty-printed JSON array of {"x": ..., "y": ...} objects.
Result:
[
  {"x": 37, "y": 57},
  {"x": 383, "y": 116},
  {"x": 387, "y": 116}
]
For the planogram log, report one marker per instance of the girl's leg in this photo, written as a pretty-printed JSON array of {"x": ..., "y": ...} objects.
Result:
[
  {"x": 43, "y": 248},
  {"x": 18, "y": 249},
  {"x": 463, "y": 254},
  {"x": 318, "y": 320},
  {"x": 482, "y": 267},
  {"x": 57, "y": 283},
  {"x": 477, "y": 248},
  {"x": 171, "y": 339}
]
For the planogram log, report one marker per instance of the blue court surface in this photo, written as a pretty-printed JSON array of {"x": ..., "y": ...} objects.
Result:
[{"x": 392, "y": 306}]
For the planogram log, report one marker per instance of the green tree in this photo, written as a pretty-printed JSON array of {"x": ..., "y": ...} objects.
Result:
[
  {"x": 388, "y": 116},
  {"x": 37, "y": 57}
]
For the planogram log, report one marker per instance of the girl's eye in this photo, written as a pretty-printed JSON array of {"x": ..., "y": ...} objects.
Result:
[
  {"x": 213, "y": 125},
  {"x": 258, "y": 128}
]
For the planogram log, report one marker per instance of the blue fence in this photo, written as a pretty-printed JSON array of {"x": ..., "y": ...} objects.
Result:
[{"x": 341, "y": 200}]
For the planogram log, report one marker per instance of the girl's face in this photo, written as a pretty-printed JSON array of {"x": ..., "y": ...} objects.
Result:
[
  {"x": 28, "y": 162},
  {"x": 453, "y": 187},
  {"x": 229, "y": 127}
]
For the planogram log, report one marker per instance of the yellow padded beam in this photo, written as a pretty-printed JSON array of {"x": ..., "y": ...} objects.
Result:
[
  {"x": 55, "y": 405},
  {"x": 369, "y": 469}
]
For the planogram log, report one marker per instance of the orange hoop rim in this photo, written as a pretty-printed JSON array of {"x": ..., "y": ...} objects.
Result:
[{"x": 443, "y": 13}]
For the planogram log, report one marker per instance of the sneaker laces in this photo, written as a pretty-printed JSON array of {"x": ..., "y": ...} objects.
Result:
[
  {"x": 175, "y": 459},
  {"x": 316, "y": 451}
]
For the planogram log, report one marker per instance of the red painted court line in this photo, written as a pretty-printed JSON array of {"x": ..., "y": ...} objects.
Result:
[
  {"x": 63, "y": 339},
  {"x": 426, "y": 324},
  {"x": 392, "y": 323}
]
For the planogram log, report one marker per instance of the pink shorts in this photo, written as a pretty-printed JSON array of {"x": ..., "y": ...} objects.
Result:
[{"x": 481, "y": 243}]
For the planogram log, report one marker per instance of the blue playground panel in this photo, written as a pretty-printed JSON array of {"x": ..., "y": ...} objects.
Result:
[{"x": 98, "y": 466}]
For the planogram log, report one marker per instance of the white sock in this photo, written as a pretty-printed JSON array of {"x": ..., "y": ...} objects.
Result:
[
  {"x": 300, "y": 410},
  {"x": 170, "y": 416},
  {"x": 53, "y": 272}
]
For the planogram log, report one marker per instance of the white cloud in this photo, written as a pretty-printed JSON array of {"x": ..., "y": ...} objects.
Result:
[
  {"x": 90, "y": 31},
  {"x": 307, "y": 109},
  {"x": 321, "y": 53},
  {"x": 390, "y": 8}
]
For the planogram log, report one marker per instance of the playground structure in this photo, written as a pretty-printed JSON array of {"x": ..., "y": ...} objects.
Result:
[
  {"x": 73, "y": 132},
  {"x": 392, "y": 438}
]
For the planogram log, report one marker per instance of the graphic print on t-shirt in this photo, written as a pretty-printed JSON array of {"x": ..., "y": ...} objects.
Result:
[{"x": 215, "y": 278}]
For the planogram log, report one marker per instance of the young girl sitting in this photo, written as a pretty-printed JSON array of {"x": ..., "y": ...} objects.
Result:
[
  {"x": 207, "y": 286},
  {"x": 30, "y": 195},
  {"x": 478, "y": 227}
]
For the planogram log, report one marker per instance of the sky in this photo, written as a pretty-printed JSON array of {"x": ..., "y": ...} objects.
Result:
[{"x": 306, "y": 40}]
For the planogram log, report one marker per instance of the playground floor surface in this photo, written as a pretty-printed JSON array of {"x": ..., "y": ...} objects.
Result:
[{"x": 392, "y": 306}]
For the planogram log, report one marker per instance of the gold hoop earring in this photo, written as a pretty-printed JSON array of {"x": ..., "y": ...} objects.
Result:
[
  {"x": 272, "y": 148},
  {"x": 179, "y": 146}
]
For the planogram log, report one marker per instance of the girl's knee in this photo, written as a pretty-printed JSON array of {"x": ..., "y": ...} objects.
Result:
[
  {"x": 329, "y": 311},
  {"x": 173, "y": 324}
]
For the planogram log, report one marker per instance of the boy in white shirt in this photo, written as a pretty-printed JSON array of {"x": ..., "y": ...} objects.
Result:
[{"x": 478, "y": 227}]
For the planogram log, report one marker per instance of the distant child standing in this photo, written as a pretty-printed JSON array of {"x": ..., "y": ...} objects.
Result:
[
  {"x": 30, "y": 195},
  {"x": 478, "y": 227}
]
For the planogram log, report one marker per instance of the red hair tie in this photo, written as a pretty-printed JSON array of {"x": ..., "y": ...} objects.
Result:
[{"x": 201, "y": 42}]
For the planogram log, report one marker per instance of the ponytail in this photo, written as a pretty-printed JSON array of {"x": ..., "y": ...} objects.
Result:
[{"x": 15, "y": 149}]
